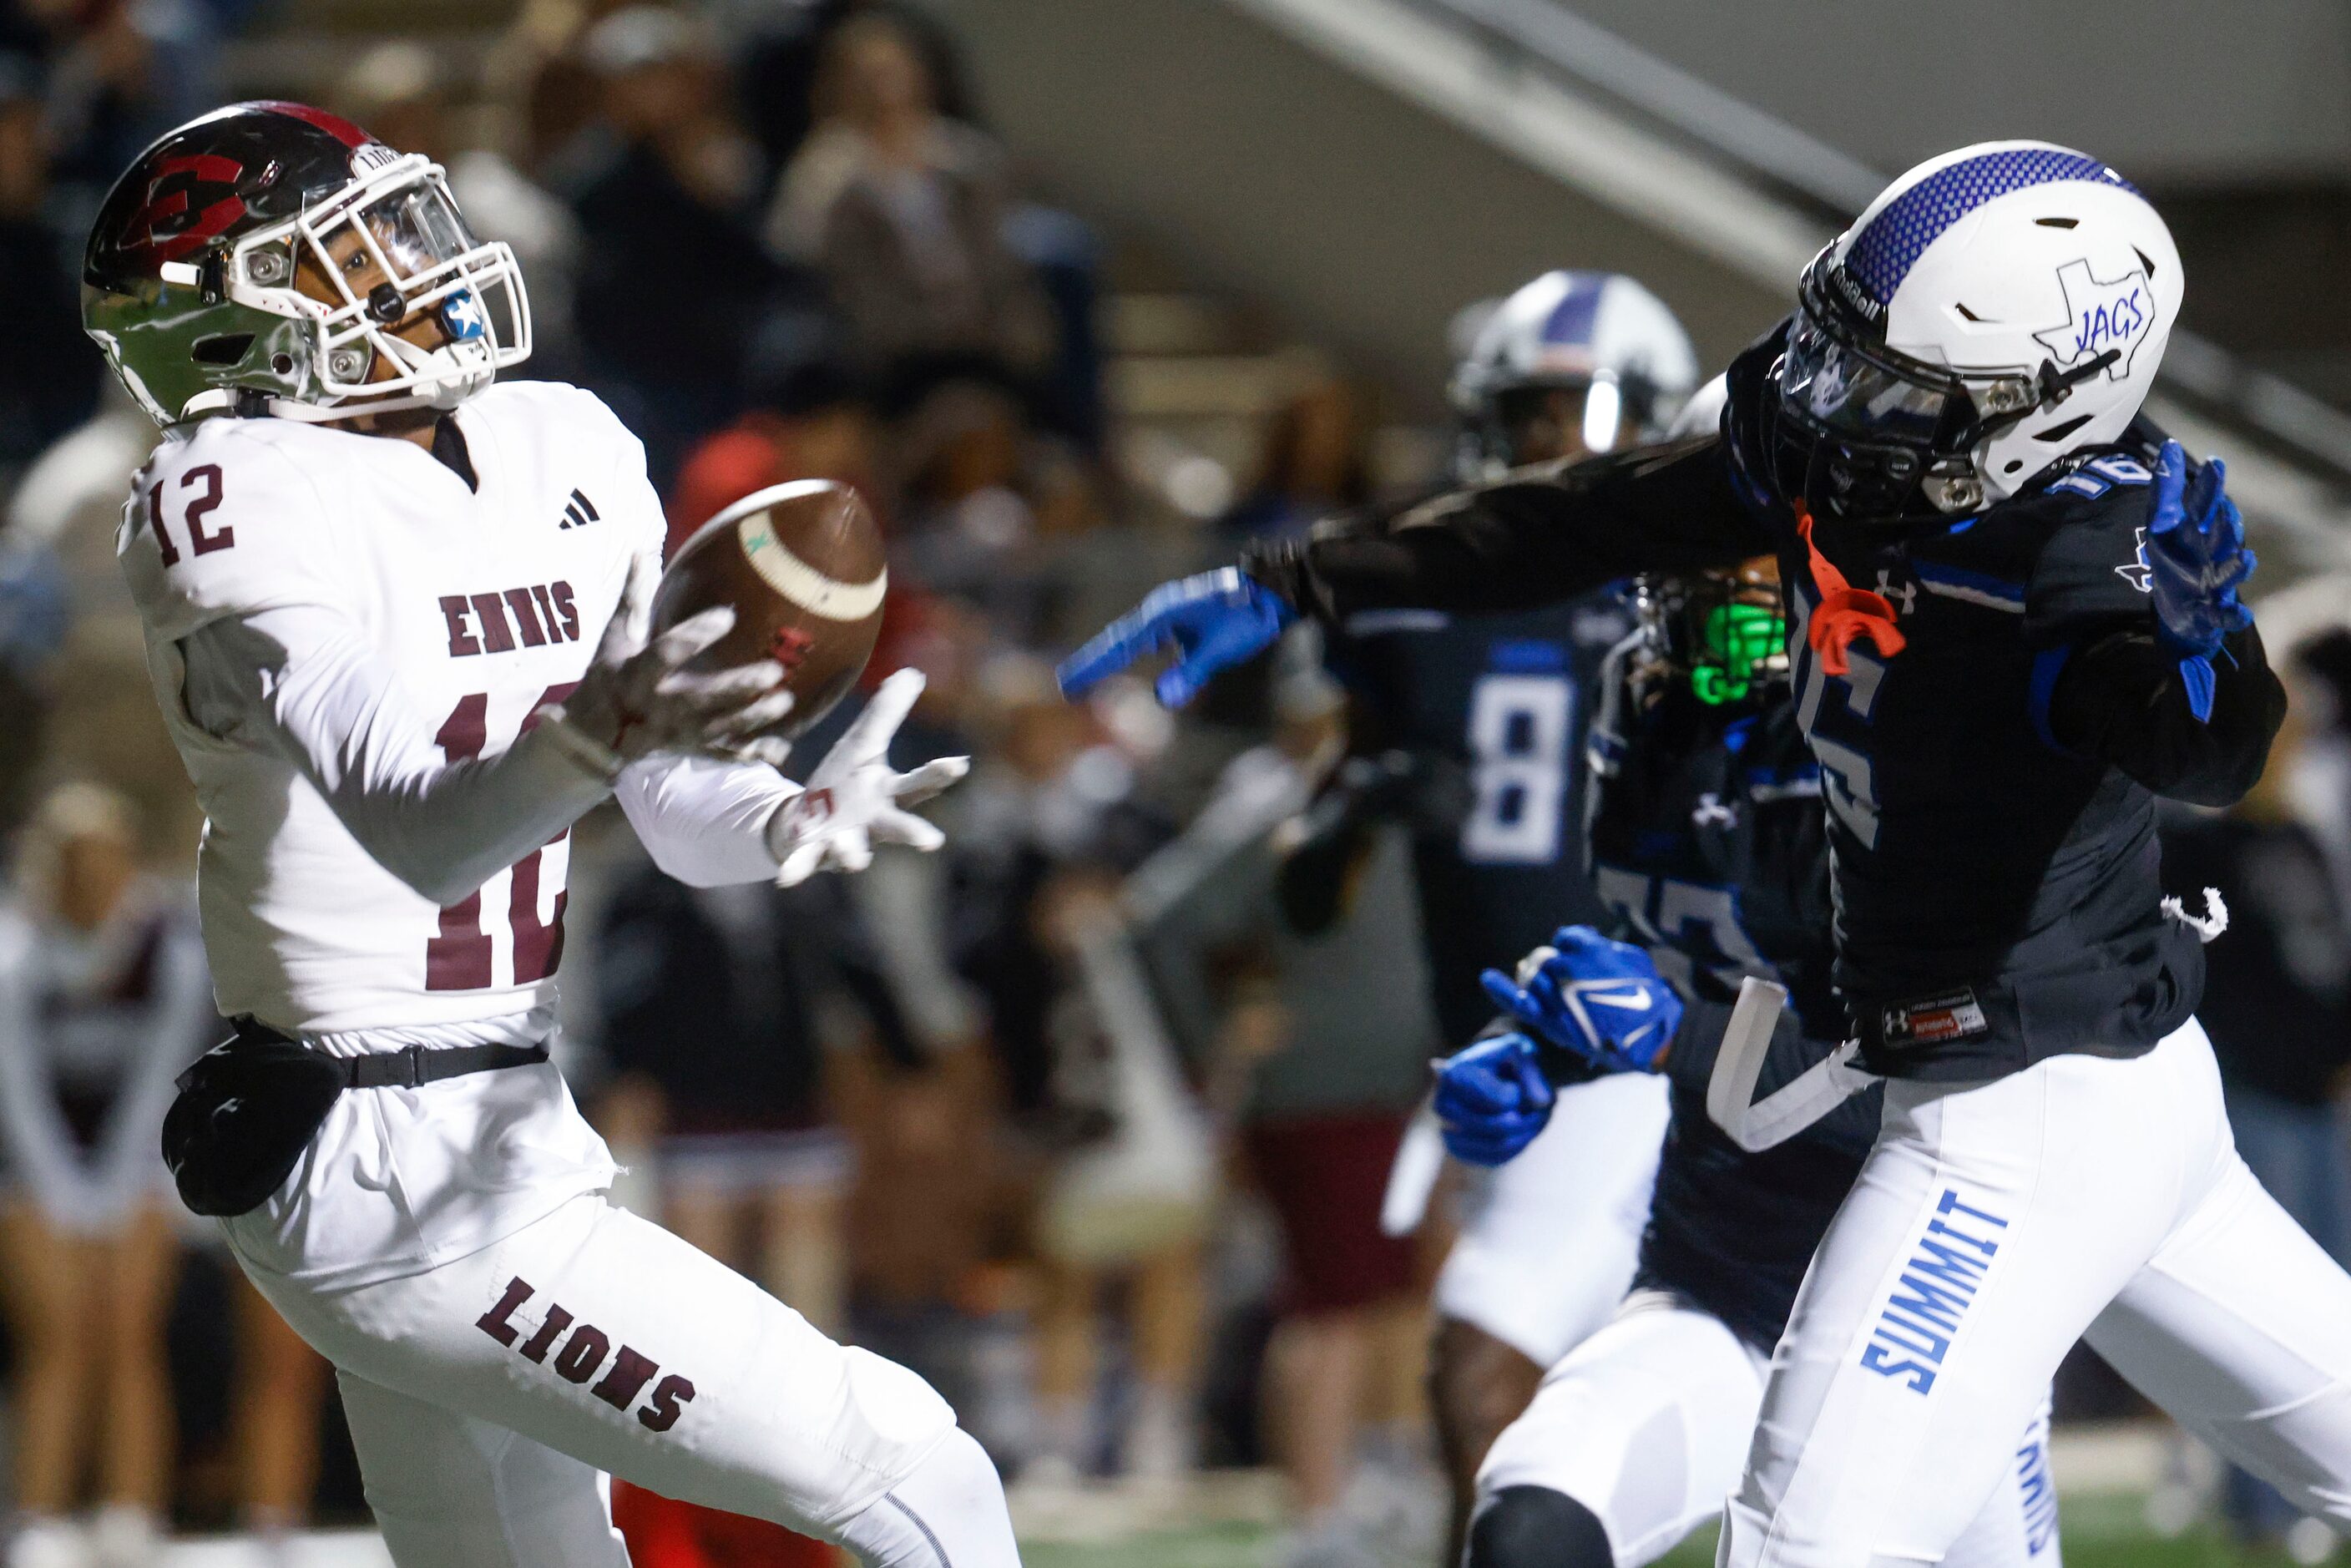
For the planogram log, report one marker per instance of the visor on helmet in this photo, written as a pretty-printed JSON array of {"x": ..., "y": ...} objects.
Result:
[
  {"x": 1873, "y": 434},
  {"x": 394, "y": 252}
]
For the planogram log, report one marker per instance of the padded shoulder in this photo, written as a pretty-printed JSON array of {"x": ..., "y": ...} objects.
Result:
[
  {"x": 2090, "y": 572},
  {"x": 238, "y": 517}
]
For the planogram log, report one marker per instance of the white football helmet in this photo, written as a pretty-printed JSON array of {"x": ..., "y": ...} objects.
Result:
[
  {"x": 1994, "y": 309},
  {"x": 1597, "y": 333}
]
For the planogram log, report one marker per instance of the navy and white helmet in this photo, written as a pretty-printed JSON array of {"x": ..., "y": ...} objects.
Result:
[
  {"x": 1994, "y": 309},
  {"x": 1595, "y": 333}
]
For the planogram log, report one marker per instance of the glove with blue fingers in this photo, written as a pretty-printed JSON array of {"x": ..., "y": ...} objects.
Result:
[
  {"x": 1491, "y": 1099},
  {"x": 1214, "y": 621},
  {"x": 2197, "y": 560},
  {"x": 1603, "y": 1000}
]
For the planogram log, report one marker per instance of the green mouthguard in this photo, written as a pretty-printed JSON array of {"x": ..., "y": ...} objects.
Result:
[{"x": 1735, "y": 639}]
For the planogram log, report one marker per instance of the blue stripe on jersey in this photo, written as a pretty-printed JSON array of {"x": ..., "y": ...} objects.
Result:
[
  {"x": 1571, "y": 320},
  {"x": 1526, "y": 657},
  {"x": 1881, "y": 255}
]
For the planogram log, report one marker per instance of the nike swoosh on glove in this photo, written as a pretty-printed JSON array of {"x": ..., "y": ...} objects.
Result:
[
  {"x": 1600, "y": 998},
  {"x": 2197, "y": 561},
  {"x": 1491, "y": 1099},
  {"x": 1213, "y": 620},
  {"x": 855, "y": 800}
]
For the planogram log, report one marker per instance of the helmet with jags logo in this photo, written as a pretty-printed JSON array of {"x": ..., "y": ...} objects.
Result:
[
  {"x": 273, "y": 259},
  {"x": 1993, "y": 310}
]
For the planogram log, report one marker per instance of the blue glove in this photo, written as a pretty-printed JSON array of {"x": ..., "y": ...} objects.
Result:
[
  {"x": 1599, "y": 998},
  {"x": 2197, "y": 560},
  {"x": 1491, "y": 1099},
  {"x": 1214, "y": 620}
]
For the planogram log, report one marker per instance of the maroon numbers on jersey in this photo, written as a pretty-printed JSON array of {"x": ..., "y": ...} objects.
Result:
[
  {"x": 458, "y": 959},
  {"x": 205, "y": 479}
]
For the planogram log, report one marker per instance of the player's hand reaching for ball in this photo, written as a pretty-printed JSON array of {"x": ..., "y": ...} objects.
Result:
[
  {"x": 1603, "y": 1000},
  {"x": 855, "y": 800},
  {"x": 636, "y": 698}
]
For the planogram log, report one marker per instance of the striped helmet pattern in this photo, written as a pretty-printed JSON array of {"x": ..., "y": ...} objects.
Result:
[{"x": 1883, "y": 253}]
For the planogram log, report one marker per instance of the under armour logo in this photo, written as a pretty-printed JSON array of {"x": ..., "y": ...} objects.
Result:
[
  {"x": 1711, "y": 812},
  {"x": 1904, "y": 598}
]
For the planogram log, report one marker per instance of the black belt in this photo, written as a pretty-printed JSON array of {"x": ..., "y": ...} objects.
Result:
[{"x": 413, "y": 1066}]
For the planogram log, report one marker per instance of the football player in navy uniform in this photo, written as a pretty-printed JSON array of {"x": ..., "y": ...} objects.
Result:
[
  {"x": 2008, "y": 637},
  {"x": 1707, "y": 842},
  {"x": 1469, "y": 731}
]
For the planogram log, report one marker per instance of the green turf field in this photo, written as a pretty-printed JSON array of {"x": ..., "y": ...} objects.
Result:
[{"x": 2100, "y": 1531}]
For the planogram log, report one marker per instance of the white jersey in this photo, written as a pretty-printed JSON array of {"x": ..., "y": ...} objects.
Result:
[{"x": 349, "y": 643}]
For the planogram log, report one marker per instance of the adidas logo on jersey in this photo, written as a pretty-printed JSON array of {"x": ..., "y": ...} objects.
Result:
[
  {"x": 582, "y": 1354},
  {"x": 502, "y": 622},
  {"x": 579, "y": 511}
]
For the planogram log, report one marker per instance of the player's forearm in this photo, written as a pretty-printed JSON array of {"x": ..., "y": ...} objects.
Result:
[
  {"x": 444, "y": 827},
  {"x": 1539, "y": 536},
  {"x": 2123, "y": 700},
  {"x": 705, "y": 822}
]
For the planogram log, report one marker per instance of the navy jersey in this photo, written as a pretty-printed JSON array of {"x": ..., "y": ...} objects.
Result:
[
  {"x": 1492, "y": 713},
  {"x": 1989, "y": 787},
  {"x": 1998, "y": 896},
  {"x": 1708, "y": 845}
]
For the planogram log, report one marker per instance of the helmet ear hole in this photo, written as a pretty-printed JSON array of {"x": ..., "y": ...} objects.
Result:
[
  {"x": 282, "y": 364},
  {"x": 223, "y": 349}
]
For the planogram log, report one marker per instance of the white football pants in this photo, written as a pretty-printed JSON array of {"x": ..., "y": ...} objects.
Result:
[
  {"x": 1549, "y": 1241},
  {"x": 1994, "y": 1225},
  {"x": 485, "y": 1395},
  {"x": 1647, "y": 1422}
]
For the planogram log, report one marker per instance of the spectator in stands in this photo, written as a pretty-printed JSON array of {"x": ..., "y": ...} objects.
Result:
[
  {"x": 49, "y": 377},
  {"x": 965, "y": 525},
  {"x": 280, "y": 1396},
  {"x": 1125, "y": 1202},
  {"x": 672, "y": 280},
  {"x": 901, "y": 211},
  {"x": 1329, "y": 1037},
  {"x": 399, "y": 91},
  {"x": 719, "y": 1007},
  {"x": 121, "y": 72},
  {"x": 808, "y": 419},
  {"x": 103, "y": 1000},
  {"x": 2277, "y": 989},
  {"x": 1316, "y": 460}
]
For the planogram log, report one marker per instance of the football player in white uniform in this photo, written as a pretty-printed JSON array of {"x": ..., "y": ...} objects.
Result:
[{"x": 395, "y": 619}]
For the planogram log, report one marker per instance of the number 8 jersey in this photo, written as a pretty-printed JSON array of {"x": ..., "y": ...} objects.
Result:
[{"x": 295, "y": 581}]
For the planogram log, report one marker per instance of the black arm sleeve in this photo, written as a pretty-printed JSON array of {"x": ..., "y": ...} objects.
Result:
[
  {"x": 2121, "y": 700},
  {"x": 1538, "y": 537}
]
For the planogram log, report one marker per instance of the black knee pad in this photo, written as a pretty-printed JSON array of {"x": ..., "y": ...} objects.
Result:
[{"x": 1535, "y": 1527}]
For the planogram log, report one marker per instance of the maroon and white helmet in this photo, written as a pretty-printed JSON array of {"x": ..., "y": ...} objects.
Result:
[{"x": 272, "y": 257}]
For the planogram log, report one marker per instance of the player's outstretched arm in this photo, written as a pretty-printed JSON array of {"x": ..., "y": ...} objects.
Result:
[
  {"x": 1533, "y": 538},
  {"x": 1538, "y": 537},
  {"x": 710, "y": 822}
]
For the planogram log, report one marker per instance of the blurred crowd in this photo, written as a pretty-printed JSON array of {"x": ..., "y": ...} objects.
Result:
[
  {"x": 1075, "y": 1118},
  {"x": 995, "y": 1111}
]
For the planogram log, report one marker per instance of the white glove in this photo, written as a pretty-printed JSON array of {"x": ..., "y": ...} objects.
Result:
[
  {"x": 854, "y": 802},
  {"x": 634, "y": 700}
]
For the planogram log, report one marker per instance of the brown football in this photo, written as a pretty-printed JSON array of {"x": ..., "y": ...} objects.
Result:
[{"x": 803, "y": 567}]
